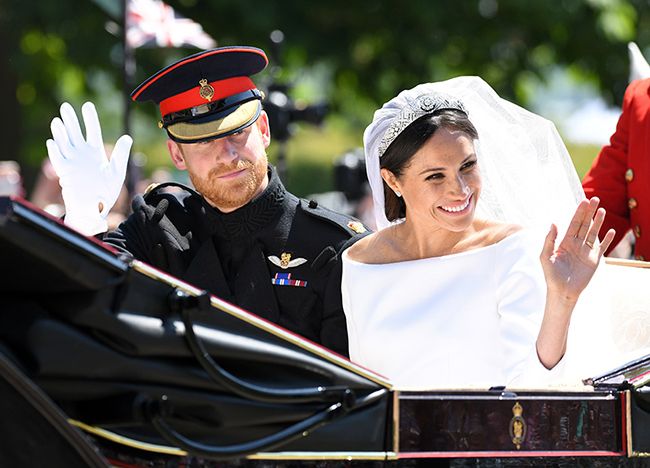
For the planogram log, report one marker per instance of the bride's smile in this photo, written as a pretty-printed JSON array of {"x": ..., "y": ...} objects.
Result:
[{"x": 456, "y": 209}]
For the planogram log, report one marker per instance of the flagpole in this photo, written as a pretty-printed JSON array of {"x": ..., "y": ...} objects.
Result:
[{"x": 128, "y": 74}]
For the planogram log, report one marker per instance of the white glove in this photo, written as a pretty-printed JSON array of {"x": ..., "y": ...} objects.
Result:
[{"x": 90, "y": 182}]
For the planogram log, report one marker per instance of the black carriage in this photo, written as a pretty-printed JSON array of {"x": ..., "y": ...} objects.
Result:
[{"x": 108, "y": 361}]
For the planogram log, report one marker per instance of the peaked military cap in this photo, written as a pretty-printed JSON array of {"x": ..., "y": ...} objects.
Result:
[{"x": 206, "y": 95}]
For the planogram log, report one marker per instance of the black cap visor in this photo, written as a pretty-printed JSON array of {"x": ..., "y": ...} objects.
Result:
[{"x": 216, "y": 124}]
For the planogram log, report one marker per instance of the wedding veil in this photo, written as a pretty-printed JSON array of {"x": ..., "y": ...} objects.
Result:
[{"x": 528, "y": 176}]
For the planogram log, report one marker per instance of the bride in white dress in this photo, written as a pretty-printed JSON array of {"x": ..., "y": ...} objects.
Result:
[{"x": 447, "y": 294}]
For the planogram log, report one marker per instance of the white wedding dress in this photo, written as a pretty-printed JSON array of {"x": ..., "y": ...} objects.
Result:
[{"x": 464, "y": 320}]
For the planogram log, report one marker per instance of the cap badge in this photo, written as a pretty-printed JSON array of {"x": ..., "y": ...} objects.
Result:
[
  {"x": 357, "y": 227},
  {"x": 206, "y": 91},
  {"x": 285, "y": 261}
]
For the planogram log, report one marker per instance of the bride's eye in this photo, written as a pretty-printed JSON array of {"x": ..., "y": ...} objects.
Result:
[
  {"x": 468, "y": 165},
  {"x": 434, "y": 176}
]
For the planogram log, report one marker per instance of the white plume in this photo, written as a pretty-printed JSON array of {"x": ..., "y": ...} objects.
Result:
[{"x": 639, "y": 67}]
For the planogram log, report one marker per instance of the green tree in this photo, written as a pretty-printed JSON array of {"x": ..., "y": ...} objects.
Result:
[{"x": 354, "y": 54}]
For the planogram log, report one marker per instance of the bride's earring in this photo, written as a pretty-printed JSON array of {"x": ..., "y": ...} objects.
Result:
[{"x": 399, "y": 194}]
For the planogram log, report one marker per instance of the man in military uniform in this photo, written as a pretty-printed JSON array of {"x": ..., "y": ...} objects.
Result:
[
  {"x": 620, "y": 174},
  {"x": 240, "y": 235}
]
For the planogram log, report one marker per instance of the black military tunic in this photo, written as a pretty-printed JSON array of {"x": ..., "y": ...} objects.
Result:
[{"x": 278, "y": 256}]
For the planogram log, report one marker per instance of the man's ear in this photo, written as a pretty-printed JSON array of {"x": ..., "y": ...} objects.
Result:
[
  {"x": 265, "y": 130},
  {"x": 390, "y": 179},
  {"x": 176, "y": 153}
]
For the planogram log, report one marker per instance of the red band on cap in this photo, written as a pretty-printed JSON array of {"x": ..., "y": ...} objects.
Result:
[{"x": 192, "y": 97}]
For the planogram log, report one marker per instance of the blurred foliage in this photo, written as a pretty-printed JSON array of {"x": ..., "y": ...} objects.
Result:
[
  {"x": 354, "y": 55},
  {"x": 582, "y": 156},
  {"x": 311, "y": 151}
]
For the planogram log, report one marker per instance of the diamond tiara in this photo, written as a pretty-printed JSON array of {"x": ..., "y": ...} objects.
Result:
[{"x": 422, "y": 105}]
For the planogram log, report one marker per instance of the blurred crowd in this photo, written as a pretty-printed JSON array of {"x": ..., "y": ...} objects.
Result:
[
  {"x": 351, "y": 194},
  {"x": 46, "y": 192}
]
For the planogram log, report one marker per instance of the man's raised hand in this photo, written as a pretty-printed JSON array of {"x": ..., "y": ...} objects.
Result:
[{"x": 90, "y": 181}]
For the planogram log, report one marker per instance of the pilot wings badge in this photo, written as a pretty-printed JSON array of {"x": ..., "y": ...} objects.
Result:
[{"x": 285, "y": 261}]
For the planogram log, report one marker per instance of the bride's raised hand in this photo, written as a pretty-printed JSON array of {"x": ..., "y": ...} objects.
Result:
[{"x": 568, "y": 268}]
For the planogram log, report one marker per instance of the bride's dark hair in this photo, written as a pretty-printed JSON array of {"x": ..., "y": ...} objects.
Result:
[{"x": 409, "y": 141}]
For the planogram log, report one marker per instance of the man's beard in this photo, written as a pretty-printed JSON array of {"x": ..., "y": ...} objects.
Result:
[{"x": 228, "y": 195}]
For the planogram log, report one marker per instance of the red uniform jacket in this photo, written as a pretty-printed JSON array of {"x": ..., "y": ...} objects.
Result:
[{"x": 620, "y": 175}]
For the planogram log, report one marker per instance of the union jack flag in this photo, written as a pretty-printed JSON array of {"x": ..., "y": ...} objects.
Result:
[{"x": 152, "y": 23}]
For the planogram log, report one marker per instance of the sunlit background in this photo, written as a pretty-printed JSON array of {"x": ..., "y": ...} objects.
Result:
[{"x": 567, "y": 60}]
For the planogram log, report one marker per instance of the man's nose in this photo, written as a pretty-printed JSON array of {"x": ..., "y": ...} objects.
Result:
[{"x": 223, "y": 149}]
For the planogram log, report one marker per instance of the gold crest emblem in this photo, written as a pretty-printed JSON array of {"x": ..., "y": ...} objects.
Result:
[
  {"x": 284, "y": 261},
  {"x": 206, "y": 91},
  {"x": 517, "y": 426},
  {"x": 357, "y": 227},
  {"x": 285, "y": 258}
]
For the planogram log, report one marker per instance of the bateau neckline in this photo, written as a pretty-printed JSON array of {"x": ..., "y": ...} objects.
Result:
[{"x": 477, "y": 250}]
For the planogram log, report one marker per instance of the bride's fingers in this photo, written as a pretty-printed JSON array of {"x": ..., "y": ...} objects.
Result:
[
  {"x": 549, "y": 243},
  {"x": 577, "y": 220},
  {"x": 607, "y": 240},
  {"x": 592, "y": 234},
  {"x": 586, "y": 224}
]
